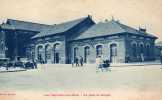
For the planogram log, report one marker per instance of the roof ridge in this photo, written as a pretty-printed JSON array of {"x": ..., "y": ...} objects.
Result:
[
  {"x": 27, "y": 22},
  {"x": 71, "y": 21},
  {"x": 60, "y": 28},
  {"x": 119, "y": 24},
  {"x": 132, "y": 28}
]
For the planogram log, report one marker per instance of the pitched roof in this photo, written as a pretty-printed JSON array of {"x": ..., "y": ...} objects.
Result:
[
  {"x": 60, "y": 28},
  {"x": 6, "y": 26},
  {"x": 23, "y": 25},
  {"x": 109, "y": 28},
  {"x": 159, "y": 43}
]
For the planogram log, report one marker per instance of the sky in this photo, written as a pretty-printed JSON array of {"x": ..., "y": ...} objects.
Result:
[{"x": 135, "y": 13}]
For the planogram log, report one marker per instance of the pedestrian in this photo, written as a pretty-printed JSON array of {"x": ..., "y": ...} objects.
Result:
[
  {"x": 81, "y": 60},
  {"x": 142, "y": 57},
  {"x": 127, "y": 59},
  {"x": 7, "y": 66},
  {"x": 34, "y": 63},
  {"x": 98, "y": 62},
  {"x": 72, "y": 62},
  {"x": 77, "y": 61}
]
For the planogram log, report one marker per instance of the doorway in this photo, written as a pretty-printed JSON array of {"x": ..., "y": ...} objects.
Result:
[{"x": 113, "y": 53}]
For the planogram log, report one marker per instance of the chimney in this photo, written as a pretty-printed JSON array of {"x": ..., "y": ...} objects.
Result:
[
  {"x": 142, "y": 29},
  {"x": 90, "y": 16}
]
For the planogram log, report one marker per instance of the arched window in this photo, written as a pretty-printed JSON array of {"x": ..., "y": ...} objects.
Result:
[
  {"x": 113, "y": 50},
  {"x": 147, "y": 50},
  {"x": 76, "y": 52},
  {"x": 113, "y": 53},
  {"x": 98, "y": 50},
  {"x": 86, "y": 53},
  {"x": 40, "y": 53},
  {"x": 134, "y": 50},
  {"x": 47, "y": 52},
  {"x": 57, "y": 53}
]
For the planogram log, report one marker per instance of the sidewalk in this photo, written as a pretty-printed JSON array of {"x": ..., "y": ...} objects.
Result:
[
  {"x": 135, "y": 64},
  {"x": 17, "y": 69}
]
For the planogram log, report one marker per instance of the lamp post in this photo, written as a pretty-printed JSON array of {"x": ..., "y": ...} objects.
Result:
[{"x": 16, "y": 46}]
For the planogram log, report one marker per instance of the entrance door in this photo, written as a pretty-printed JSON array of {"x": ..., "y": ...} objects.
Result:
[
  {"x": 40, "y": 54},
  {"x": 57, "y": 57},
  {"x": 86, "y": 54},
  {"x": 57, "y": 53},
  {"x": 113, "y": 53}
]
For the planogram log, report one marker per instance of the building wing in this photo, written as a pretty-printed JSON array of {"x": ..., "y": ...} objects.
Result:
[
  {"x": 24, "y": 25},
  {"x": 60, "y": 28},
  {"x": 110, "y": 28}
]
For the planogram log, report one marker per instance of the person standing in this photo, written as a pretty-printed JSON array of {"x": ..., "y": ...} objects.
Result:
[
  {"x": 81, "y": 60},
  {"x": 34, "y": 63},
  {"x": 77, "y": 61},
  {"x": 98, "y": 62},
  {"x": 127, "y": 59},
  {"x": 72, "y": 62},
  {"x": 142, "y": 57}
]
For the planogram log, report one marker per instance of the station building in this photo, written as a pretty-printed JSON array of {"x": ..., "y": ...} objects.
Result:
[{"x": 62, "y": 43}]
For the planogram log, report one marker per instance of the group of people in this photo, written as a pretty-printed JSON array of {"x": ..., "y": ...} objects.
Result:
[
  {"x": 28, "y": 64},
  {"x": 102, "y": 63},
  {"x": 78, "y": 61}
]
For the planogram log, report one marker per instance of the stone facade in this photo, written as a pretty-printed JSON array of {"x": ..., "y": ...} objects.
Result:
[
  {"x": 123, "y": 47},
  {"x": 54, "y": 45},
  {"x": 105, "y": 43},
  {"x": 62, "y": 43},
  {"x": 137, "y": 46}
]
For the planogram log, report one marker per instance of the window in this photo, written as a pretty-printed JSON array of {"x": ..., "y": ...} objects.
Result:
[
  {"x": 86, "y": 53},
  {"x": 147, "y": 50},
  {"x": 141, "y": 49},
  {"x": 98, "y": 50},
  {"x": 75, "y": 52},
  {"x": 87, "y": 50},
  {"x": 113, "y": 50},
  {"x": 134, "y": 50},
  {"x": 48, "y": 51},
  {"x": 40, "y": 52},
  {"x": 57, "y": 53}
]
